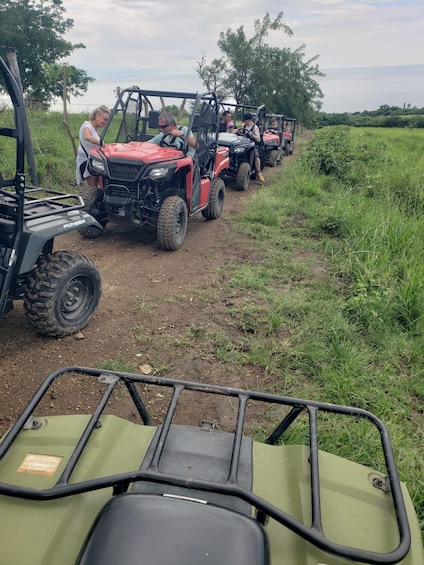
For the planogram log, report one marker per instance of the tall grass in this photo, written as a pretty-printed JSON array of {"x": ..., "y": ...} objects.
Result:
[
  {"x": 52, "y": 145},
  {"x": 353, "y": 331}
]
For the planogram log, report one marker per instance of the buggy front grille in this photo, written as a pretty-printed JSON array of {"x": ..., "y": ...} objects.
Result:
[{"x": 124, "y": 171}]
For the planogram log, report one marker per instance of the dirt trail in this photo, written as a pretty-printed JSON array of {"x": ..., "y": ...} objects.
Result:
[{"x": 150, "y": 297}]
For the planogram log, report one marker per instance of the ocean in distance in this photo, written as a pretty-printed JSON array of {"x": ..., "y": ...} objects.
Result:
[
  {"x": 368, "y": 88},
  {"x": 345, "y": 90}
]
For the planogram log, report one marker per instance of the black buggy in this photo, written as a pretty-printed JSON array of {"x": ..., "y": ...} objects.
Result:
[
  {"x": 242, "y": 148},
  {"x": 60, "y": 290}
]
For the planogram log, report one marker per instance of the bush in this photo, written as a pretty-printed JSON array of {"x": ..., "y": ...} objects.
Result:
[{"x": 330, "y": 152}]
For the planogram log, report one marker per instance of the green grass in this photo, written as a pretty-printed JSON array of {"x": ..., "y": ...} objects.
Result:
[{"x": 354, "y": 202}]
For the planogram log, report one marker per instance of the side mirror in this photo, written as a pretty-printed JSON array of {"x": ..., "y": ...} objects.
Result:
[{"x": 153, "y": 119}]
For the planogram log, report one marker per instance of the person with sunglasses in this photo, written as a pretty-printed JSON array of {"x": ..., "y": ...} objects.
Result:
[{"x": 174, "y": 136}]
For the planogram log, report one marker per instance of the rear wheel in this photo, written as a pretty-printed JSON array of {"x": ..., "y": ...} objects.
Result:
[
  {"x": 93, "y": 205},
  {"x": 62, "y": 294},
  {"x": 172, "y": 223},
  {"x": 243, "y": 176},
  {"x": 216, "y": 200}
]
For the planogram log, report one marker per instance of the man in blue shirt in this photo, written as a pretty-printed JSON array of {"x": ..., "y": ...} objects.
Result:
[{"x": 175, "y": 136}]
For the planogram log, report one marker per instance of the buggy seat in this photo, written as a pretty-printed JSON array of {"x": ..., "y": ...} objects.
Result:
[{"x": 146, "y": 529}]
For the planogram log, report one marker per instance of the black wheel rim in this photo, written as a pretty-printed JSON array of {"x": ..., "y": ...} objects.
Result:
[{"x": 76, "y": 298}]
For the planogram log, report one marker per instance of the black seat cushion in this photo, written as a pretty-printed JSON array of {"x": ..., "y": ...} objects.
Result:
[{"x": 140, "y": 529}]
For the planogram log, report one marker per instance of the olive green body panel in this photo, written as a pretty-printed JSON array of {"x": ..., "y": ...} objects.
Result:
[
  {"x": 52, "y": 532},
  {"x": 354, "y": 512}
]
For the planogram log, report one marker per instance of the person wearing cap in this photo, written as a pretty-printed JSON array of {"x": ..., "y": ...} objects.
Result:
[{"x": 251, "y": 131}]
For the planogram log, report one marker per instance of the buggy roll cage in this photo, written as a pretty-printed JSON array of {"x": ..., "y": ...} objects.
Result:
[
  {"x": 258, "y": 112},
  {"x": 20, "y": 203},
  {"x": 205, "y": 113},
  {"x": 121, "y": 482}
]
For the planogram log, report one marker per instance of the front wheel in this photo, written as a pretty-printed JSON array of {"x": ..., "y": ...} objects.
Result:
[
  {"x": 272, "y": 158},
  {"x": 93, "y": 205},
  {"x": 216, "y": 200},
  {"x": 172, "y": 223},
  {"x": 243, "y": 176},
  {"x": 62, "y": 294}
]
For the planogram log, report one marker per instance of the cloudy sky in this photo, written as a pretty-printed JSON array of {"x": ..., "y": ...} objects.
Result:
[{"x": 156, "y": 44}]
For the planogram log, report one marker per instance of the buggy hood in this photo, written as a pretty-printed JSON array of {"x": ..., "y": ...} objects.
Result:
[{"x": 138, "y": 151}]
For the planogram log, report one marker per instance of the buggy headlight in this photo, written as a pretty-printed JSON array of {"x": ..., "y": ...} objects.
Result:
[
  {"x": 97, "y": 165},
  {"x": 159, "y": 173},
  {"x": 239, "y": 150}
]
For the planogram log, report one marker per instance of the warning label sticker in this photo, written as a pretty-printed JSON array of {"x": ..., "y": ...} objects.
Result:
[{"x": 40, "y": 464}]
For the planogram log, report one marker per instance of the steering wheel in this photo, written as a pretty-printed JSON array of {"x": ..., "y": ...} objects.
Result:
[
  {"x": 168, "y": 140},
  {"x": 243, "y": 132}
]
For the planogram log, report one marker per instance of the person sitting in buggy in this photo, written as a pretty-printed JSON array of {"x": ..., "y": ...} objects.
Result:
[
  {"x": 273, "y": 126},
  {"x": 175, "y": 136}
]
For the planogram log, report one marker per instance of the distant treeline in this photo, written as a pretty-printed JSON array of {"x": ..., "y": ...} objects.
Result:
[{"x": 384, "y": 117}]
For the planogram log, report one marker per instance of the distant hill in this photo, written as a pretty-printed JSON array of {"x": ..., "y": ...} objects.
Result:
[{"x": 384, "y": 117}]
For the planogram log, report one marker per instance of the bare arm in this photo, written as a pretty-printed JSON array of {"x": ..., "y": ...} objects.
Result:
[
  {"x": 90, "y": 137},
  {"x": 191, "y": 140}
]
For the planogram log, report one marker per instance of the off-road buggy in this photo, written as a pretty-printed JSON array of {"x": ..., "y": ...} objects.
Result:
[
  {"x": 156, "y": 186},
  {"x": 95, "y": 488},
  {"x": 241, "y": 147},
  {"x": 60, "y": 290},
  {"x": 273, "y": 140},
  {"x": 289, "y": 134}
]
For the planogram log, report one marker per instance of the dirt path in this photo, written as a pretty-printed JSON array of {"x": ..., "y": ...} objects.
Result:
[{"x": 153, "y": 302}]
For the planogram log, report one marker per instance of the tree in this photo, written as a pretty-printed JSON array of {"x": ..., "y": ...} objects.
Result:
[
  {"x": 253, "y": 72},
  {"x": 77, "y": 80},
  {"x": 34, "y": 30},
  {"x": 213, "y": 75}
]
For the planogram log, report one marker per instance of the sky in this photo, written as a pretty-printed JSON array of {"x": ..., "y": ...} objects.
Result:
[{"x": 156, "y": 44}]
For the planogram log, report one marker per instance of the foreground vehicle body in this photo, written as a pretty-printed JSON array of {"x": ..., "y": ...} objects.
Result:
[
  {"x": 95, "y": 488},
  {"x": 241, "y": 149},
  {"x": 157, "y": 186},
  {"x": 60, "y": 290}
]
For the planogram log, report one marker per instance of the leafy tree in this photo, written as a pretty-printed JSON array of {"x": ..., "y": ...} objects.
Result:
[
  {"x": 58, "y": 75},
  {"x": 213, "y": 75},
  {"x": 253, "y": 72},
  {"x": 34, "y": 30}
]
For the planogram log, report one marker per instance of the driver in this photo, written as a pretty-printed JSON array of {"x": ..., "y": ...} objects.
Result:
[
  {"x": 173, "y": 135},
  {"x": 251, "y": 131}
]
